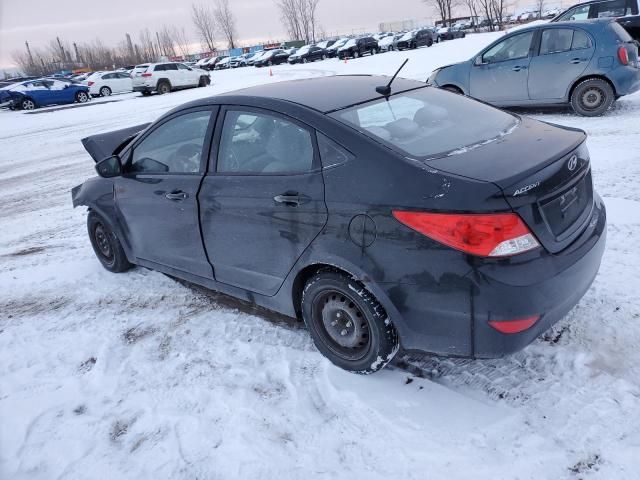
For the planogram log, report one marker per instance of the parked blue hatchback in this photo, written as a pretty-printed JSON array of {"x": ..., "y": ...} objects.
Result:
[
  {"x": 586, "y": 64},
  {"x": 47, "y": 91}
]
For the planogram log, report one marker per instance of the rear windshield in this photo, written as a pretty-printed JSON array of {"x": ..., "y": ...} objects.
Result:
[{"x": 428, "y": 122}]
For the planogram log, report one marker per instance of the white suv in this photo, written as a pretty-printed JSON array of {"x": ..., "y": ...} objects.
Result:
[{"x": 165, "y": 77}]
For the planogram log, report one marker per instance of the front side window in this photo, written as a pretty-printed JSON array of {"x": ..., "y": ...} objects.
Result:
[
  {"x": 427, "y": 122},
  {"x": 512, "y": 48},
  {"x": 182, "y": 67},
  {"x": 255, "y": 143},
  {"x": 556, "y": 40},
  {"x": 577, "y": 13},
  {"x": 174, "y": 147}
]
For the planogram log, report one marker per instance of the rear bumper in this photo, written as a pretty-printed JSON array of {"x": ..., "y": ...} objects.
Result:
[
  {"x": 454, "y": 320},
  {"x": 626, "y": 80},
  {"x": 142, "y": 88}
]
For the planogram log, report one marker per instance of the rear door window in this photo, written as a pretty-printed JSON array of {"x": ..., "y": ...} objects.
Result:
[
  {"x": 580, "y": 40},
  {"x": 556, "y": 40},
  {"x": 613, "y": 9}
]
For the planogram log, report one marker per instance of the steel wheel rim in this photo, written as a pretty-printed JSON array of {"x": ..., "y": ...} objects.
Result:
[
  {"x": 103, "y": 242},
  {"x": 105, "y": 91},
  {"x": 28, "y": 105},
  {"x": 341, "y": 324},
  {"x": 592, "y": 98},
  {"x": 82, "y": 97}
]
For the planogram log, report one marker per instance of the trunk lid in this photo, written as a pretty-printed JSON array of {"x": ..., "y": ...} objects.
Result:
[
  {"x": 104, "y": 145},
  {"x": 544, "y": 173}
]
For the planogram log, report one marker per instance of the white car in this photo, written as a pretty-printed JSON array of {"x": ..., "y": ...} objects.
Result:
[
  {"x": 103, "y": 84},
  {"x": 166, "y": 77}
]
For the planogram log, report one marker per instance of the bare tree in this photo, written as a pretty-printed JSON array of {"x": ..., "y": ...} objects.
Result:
[
  {"x": 182, "y": 41},
  {"x": 487, "y": 9},
  {"x": 147, "y": 47},
  {"x": 539, "y": 7},
  {"x": 166, "y": 41},
  {"x": 499, "y": 9},
  {"x": 443, "y": 8},
  {"x": 225, "y": 21},
  {"x": 300, "y": 18},
  {"x": 472, "y": 5},
  {"x": 204, "y": 20}
]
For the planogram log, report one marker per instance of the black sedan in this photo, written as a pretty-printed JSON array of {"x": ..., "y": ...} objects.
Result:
[
  {"x": 380, "y": 216},
  {"x": 308, "y": 53},
  {"x": 272, "y": 57},
  {"x": 415, "y": 39}
]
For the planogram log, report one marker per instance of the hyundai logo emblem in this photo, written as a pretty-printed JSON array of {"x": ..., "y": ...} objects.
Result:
[{"x": 573, "y": 163}]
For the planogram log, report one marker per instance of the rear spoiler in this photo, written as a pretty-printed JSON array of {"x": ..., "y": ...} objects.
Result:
[{"x": 104, "y": 145}]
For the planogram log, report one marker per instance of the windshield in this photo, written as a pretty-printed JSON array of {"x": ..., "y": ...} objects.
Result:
[
  {"x": 407, "y": 36},
  {"x": 339, "y": 43},
  {"x": 428, "y": 122},
  {"x": 304, "y": 49},
  {"x": 350, "y": 43}
]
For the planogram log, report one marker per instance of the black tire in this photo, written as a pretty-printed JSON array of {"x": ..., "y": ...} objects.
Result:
[
  {"x": 592, "y": 97},
  {"x": 105, "y": 91},
  {"x": 106, "y": 245},
  {"x": 429, "y": 42},
  {"x": 82, "y": 97},
  {"x": 356, "y": 54},
  {"x": 347, "y": 324},
  {"x": 164, "y": 87},
  {"x": 203, "y": 82},
  {"x": 324, "y": 57},
  {"x": 145, "y": 93},
  {"x": 374, "y": 51},
  {"x": 27, "y": 104}
]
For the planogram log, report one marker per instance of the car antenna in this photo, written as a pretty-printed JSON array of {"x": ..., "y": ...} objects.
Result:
[{"x": 386, "y": 89}]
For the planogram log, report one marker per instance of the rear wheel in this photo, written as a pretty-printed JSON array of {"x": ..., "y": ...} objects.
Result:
[
  {"x": 592, "y": 97},
  {"x": 324, "y": 57},
  {"x": 105, "y": 91},
  {"x": 348, "y": 325},
  {"x": 82, "y": 97},
  {"x": 106, "y": 245},
  {"x": 374, "y": 51},
  {"x": 27, "y": 104},
  {"x": 356, "y": 54},
  {"x": 164, "y": 87}
]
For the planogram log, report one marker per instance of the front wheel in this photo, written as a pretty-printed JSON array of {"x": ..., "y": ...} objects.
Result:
[
  {"x": 27, "y": 104},
  {"x": 163, "y": 88},
  {"x": 348, "y": 325},
  {"x": 592, "y": 97},
  {"x": 106, "y": 245},
  {"x": 82, "y": 97}
]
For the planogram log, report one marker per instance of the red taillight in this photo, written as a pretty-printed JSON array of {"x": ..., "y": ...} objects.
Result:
[
  {"x": 623, "y": 55},
  {"x": 90, "y": 83},
  {"x": 145, "y": 75},
  {"x": 484, "y": 235},
  {"x": 514, "y": 326}
]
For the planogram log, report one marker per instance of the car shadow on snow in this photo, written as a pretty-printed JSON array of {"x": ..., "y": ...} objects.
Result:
[{"x": 69, "y": 107}]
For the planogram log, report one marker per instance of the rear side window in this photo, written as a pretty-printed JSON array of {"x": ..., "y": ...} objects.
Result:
[
  {"x": 555, "y": 40},
  {"x": 331, "y": 154},
  {"x": 159, "y": 68},
  {"x": 580, "y": 40},
  {"x": 428, "y": 122},
  {"x": 260, "y": 143},
  {"x": 171, "y": 66},
  {"x": 616, "y": 8}
]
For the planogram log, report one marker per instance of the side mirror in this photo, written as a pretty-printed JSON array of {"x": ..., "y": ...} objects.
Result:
[
  {"x": 479, "y": 61},
  {"x": 109, "y": 167}
]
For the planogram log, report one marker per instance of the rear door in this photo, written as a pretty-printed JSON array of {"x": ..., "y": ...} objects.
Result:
[
  {"x": 262, "y": 203},
  {"x": 157, "y": 195},
  {"x": 174, "y": 75},
  {"x": 502, "y": 72},
  {"x": 563, "y": 55}
]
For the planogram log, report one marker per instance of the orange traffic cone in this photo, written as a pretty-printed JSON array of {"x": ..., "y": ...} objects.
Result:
[
  {"x": 345, "y": 58},
  {"x": 270, "y": 73}
]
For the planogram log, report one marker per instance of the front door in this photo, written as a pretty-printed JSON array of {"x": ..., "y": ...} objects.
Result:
[
  {"x": 500, "y": 75},
  {"x": 264, "y": 203},
  {"x": 564, "y": 54},
  {"x": 157, "y": 196}
]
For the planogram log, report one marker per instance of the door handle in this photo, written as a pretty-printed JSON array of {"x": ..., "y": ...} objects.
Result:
[
  {"x": 177, "y": 196},
  {"x": 292, "y": 199},
  {"x": 575, "y": 61},
  {"x": 517, "y": 68}
]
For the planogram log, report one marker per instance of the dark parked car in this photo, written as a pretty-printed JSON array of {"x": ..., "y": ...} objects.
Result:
[
  {"x": 380, "y": 219},
  {"x": 357, "y": 47},
  {"x": 47, "y": 91},
  {"x": 272, "y": 57},
  {"x": 586, "y": 64},
  {"x": 332, "y": 51},
  {"x": 449, "y": 33},
  {"x": 308, "y": 53},
  {"x": 624, "y": 11},
  {"x": 415, "y": 39}
]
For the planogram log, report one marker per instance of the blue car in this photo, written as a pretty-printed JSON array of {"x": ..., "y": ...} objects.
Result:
[
  {"x": 46, "y": 91},
  {"x": 586, "y": 64}
]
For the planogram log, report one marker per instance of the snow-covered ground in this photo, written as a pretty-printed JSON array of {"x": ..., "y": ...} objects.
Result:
[{"x": 138, "y": 376}]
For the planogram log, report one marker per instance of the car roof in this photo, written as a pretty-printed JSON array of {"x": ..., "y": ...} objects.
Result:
[
  {"x": 338, "y": 91},
  {"x": 590, "y": 23}
]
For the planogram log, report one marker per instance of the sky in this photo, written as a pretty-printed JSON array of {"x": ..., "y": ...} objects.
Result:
[{"x": 39, "y": 21}]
